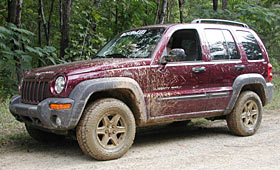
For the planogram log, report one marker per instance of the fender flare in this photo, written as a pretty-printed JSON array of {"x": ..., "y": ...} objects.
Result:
[
  {"x": 240, "y": 82},
  {"x": 82, "y": 92}
]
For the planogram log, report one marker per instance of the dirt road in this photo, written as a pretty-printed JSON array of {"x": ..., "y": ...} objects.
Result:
[{"x": 197, "y": 146}]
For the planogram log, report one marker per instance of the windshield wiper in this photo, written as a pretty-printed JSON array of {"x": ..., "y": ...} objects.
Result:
[
  {"x": 116, "y": 56},
  {"x": 98, "y": 56}
]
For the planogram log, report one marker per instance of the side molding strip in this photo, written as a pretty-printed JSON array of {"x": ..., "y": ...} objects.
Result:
[{"x": 193, "y": 97}]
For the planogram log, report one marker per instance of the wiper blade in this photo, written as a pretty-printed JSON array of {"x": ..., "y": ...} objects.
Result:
[
  {"x": 116, "y": 55},
  {"x": 99, "y": 56}
]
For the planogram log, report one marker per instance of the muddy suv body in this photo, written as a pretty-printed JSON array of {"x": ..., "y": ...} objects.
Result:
[{"x": 149, "y": 75}]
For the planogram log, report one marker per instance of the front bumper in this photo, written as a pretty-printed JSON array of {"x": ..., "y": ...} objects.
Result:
[{"x": 41, "y": 115}]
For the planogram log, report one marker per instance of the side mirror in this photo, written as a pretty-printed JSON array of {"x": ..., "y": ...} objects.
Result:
[{"x": 176, "y": 54}]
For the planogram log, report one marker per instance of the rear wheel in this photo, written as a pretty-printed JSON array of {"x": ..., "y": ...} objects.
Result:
[
  {"x": 42, "y": 136},
  {"x": 245, "y": 119},
  {"x": 106, "y": 130}
]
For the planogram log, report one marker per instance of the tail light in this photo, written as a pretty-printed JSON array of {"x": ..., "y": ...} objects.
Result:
[{"x": 269, "y": 72}]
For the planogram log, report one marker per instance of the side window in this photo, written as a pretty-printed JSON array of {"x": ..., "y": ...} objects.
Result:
[
  {"x": 231, "y": 45},
  {"x": 250, "y": 45},
  {"x": 221, "y": 44},
  {"x": 186, "y": 40}
]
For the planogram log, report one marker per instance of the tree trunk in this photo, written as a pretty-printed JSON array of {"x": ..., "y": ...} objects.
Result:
[
  {"x": 14, "y": 16},
  {"x": 19, "y": 9},
  {"x": 41, "y": 6},
  {"x": 60, "y": 14},
  {"x": 163, "y": 11},
  {"x": 181, "y": 2},
  {"x": 157, "y": 12},
  {"x": 12, "y": 11},
  {"x": 224, "y": 4},
  {"x": 65, "y": 19},
  {"x": 49, "y": 22},
  {"x": 215, "y": 5}
]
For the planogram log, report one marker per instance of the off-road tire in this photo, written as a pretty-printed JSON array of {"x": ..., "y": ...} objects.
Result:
[
  {"x": 42, "y": 136},
  {"x": 245, "y": 119},
  {"x": 100, "y": 133}
]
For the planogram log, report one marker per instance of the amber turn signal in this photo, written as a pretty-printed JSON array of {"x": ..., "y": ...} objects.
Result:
[{"x": 60, "y": 106}]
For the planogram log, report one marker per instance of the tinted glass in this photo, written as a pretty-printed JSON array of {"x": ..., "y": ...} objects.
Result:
[
  {"x": 250, "y": 45},
  {"x": 217, "y": 44},
  {"x": 231, "y": 46},
  {"x": 221, "y": 44},
  {"x": 132, "y": 44}
]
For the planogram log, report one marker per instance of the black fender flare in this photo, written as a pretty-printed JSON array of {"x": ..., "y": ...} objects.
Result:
[
  {"x": 240, "y": 82},
  {"x": 82, "y": 92}
]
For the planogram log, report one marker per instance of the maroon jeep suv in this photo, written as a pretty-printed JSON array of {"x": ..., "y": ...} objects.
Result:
[{"x": 214, "y": 69}]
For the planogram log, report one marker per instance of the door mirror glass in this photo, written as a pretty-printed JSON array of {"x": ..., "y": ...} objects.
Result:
[{"x": 175, "y": 55}]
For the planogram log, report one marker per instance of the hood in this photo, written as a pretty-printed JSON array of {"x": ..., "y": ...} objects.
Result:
[{"x": 84, "y": 66}]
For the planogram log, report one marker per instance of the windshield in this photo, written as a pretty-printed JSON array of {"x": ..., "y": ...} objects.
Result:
[{"x": 132, "y": 44}]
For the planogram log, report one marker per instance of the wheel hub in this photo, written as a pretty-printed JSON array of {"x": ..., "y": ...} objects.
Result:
[
  {"x": 110, "y": 131},
  {"x": 250, "y": 114}
]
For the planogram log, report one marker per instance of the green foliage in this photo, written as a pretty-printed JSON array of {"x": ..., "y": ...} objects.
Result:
[
  {"x": 15, "y": 50},
  {"x": 261, "y": 16},
  {"x": 87, "y": 40},
  {"x": 93, "y": 24}
]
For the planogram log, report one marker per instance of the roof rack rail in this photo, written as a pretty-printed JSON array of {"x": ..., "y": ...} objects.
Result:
[{"x": 219, "y": 21}]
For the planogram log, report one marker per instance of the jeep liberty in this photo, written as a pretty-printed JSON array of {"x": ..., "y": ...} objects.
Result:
[{"x": 215, "y": 69}]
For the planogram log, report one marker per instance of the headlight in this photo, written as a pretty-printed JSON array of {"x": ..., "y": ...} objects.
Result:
[{"x": 59, "y": 84}]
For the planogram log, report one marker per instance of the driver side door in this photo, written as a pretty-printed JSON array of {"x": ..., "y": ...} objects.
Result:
[{"x": 178, "y": 87}]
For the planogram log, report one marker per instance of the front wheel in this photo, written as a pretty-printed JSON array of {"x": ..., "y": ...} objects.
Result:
[
  {"x": 245, "y": 119},
  {"x": 106, "y": 130}
]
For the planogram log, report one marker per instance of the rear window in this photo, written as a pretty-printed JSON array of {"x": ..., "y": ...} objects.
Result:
[{"x": 250, "y": 45}]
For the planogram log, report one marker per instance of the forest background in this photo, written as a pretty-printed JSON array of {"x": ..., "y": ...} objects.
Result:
[{"x": 35, "y": 33}]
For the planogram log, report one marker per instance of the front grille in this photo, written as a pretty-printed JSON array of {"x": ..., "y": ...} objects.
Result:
[{"x": 34, "y": 91}]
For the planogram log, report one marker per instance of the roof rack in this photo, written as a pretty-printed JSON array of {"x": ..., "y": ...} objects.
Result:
[{"x": 219, "y": 21}]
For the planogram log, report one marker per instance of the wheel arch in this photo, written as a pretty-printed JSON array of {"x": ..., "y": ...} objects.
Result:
[
  {"x": 257, "y": 88},
  {"x": 123, "y": 94},
  {"x": 248, "y": 82},
  {"x": 124, "y": 89}
]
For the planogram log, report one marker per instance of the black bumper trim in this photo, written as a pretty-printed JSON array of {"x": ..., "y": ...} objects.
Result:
[{"x": 41, "y": 115}]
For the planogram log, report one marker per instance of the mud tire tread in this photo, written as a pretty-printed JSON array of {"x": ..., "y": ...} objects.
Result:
[
  {"x": 91, "y": 114},
  {"x": 233, "y": 119}
]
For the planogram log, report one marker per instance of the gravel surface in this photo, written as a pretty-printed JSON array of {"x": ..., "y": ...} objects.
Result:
[{"x": 196, "y": 146}]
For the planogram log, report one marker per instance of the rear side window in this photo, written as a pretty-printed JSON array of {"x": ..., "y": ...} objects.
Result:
[
  {"x": 250, "y": 45},
  {"x": 221, "y": 44}
]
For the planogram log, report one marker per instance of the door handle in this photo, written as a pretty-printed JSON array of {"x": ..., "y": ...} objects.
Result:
[
  {"x": 198, "y": 69},
  {"x": 239, "y": 67}
]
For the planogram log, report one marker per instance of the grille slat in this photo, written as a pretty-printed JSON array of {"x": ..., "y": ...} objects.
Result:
[
  {"x": 37, "y": 92},
  {"x": 34, "y": 91},
  {"x": 28, "y": 92}
]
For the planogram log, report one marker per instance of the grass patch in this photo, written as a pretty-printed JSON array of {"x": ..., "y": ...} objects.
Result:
[
  {"x": 275, "y": 103},
  {"x": 10, "y": 128}
]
